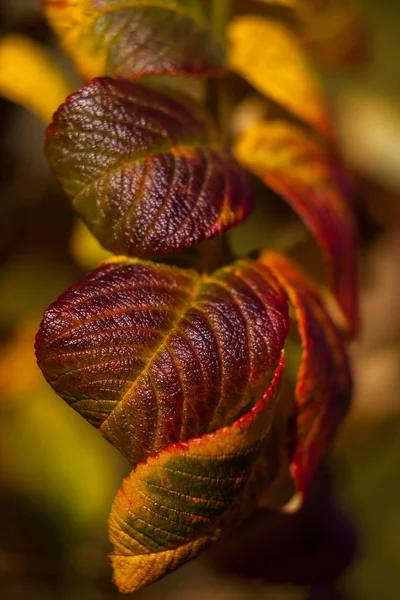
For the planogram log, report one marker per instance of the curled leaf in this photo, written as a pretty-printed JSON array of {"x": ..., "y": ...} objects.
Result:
[
  {"x": 270, "y": 57},
  {"x": 143, "y": 169},
  {"x": 133, "y": 38},
  {"x": 323, "y": 388},
  {"x": 169, "y": 364},
  {"x": 24, "y": 63},
  {"x": 298, "y": 168},
  {"x": 170, "y": 507},
  {"x": 154, "y": 355}
]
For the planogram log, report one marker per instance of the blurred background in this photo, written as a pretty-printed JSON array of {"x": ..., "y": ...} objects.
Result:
[{"x": 58, "y": 477}]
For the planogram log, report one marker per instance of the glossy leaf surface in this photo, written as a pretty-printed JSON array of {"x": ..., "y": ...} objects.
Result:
[
  {"x": 133, "y": 38},
  {"x": 24, "y": 63},
  {"x": 302, "y": 171},
  {"x": 170, "y": 508},
  {"x": 270, "y": 57},
  {"x": 154, "y": 355},
  {"x": 143, "y": 169},
  {"x": 323, "y": 388}
]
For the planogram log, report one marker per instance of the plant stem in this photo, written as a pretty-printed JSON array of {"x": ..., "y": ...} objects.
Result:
[{"x": 220, "y": 11}]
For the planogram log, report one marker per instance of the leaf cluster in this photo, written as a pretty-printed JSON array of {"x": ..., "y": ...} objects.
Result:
[{"x": 181, "y": 369}]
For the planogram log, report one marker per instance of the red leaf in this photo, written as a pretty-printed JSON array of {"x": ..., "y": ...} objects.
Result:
[
  {"x": 323, "y": 388},
  {"x": 153, "y": 355},
  {"x": 299, "y": 169},
  {"x": 143, "y": 169}
]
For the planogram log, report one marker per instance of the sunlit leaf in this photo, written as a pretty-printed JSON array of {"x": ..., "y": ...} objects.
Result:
[
  {"x": 185, "y": 352},
  {"x": 323, "y": 388},
  {"x": 143, "y": 169},
  {"x": 270, "y": 57},
  {"x": 170, "y": 508},
  {"x": 302, "y": 171},
  {"x": 133, "y": 38},
  {"x": 30, "y": 77}
]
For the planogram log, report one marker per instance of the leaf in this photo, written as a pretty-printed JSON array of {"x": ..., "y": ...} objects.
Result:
[
  {"x": 30, "y": 77},
  {"x": 143, "y": 169},
  {"x": 153, "y": 355},
  {"x": 298, "y": 168},
  {"x": 66, "y": 482},
  {"x": 85, "y": 249},
  {"x": 270, "y": 57},
  {"x": 323, "y": 388},
  {"x": 170, "y": 508},
  {"x": 133, "y": 38}
]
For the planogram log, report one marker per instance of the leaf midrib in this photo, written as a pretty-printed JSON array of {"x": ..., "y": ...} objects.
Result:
[
  {"x": 140, "y": 157},
  {"x": 186, "y": 306}
]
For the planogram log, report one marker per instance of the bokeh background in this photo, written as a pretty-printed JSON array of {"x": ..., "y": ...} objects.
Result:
[{"x": 58, "y": 477}]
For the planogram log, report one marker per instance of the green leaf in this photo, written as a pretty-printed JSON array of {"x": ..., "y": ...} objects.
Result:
[
  {"x": 174, "y": 505},
  {"x": 143, "y": 169}
]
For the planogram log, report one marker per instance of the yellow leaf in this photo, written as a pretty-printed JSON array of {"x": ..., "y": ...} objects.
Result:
[
  {"x": 84, "y": 247},
  {"x": 305, "y": 174},
  {"x": 69, "y": 20},
  {"x": 269, "y": 56},
  {"x": 30, "y": 77}
]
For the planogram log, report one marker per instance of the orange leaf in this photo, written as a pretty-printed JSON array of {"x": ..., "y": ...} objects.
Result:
[
  {"x": 298, "y": 168},
  {"x": 323, "y": 388},
  {"x": 171, "y": 507}
]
